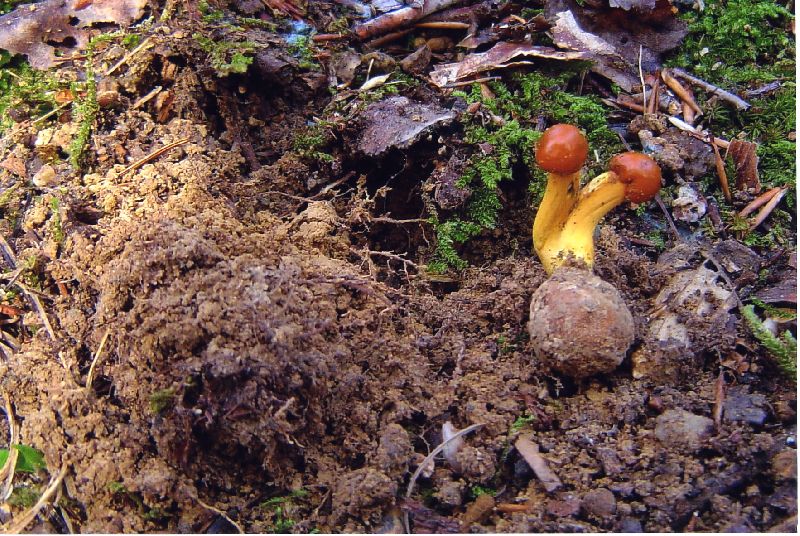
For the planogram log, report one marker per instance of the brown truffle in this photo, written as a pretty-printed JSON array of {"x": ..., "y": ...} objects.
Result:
[{"x": 579, "y": 324}]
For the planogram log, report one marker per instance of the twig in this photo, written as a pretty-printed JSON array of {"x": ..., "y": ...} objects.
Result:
[
  {"x": 155, "y": 154},
  {"x": 723, "y": 176},
  {"x": 428, "y": 459},
  {"x": 740, "y": 104},
  {"x": 475, "y": 81},
  {"x": 128, "y": 56},
  {"x": 768, "y": 208},
  {"x": 97, "y": 354},
  {"x": 629, "y": 103},
  {"x": 759, "y": 201},
  {"x": 221, "y": 513},
  {"x": 668, "y": 216},
  {"x": 655, "y": 94},
  {"x": 11, "y": 259},
  {"x": 384, "y": 219},
  {"x": 530, "y": 453},
  {"x": 143, "y": 100},
  {"x": 9, "y": 468},
  {"x": 510, "y": 508},
  {"x": 400, "y": 17},
  {"x": 719, "y": 399},
  {"x": 51, "y": 112},
  {"x": 321, "y": 38},
  {"x": 641, "y": 78},
  {"x": 388, "y": 38},
  {"x": 443, "y": 25},
  {"x": 682, "y": 93},
  {"x": 19, "y": 525}
]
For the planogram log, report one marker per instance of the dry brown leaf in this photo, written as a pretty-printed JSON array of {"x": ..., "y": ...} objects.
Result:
[
  {"x": 38, "y": 30},
  {"x": 614, "y": 37},
  {"x": 497, "y": 57},
  {"x": 746, "y": 162}
]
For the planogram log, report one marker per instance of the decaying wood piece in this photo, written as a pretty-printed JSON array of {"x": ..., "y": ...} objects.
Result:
[
  {"x": 745, "y": 159},
  {"x": 683, "y": 93},
  {"x": 530, "y": 453},
  {"x": 401, "y": 17}
]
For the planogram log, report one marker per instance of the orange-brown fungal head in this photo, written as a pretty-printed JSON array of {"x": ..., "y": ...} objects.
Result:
[
  {"x": 562, "y": 150},
  {"x": 640, "y": 173}
]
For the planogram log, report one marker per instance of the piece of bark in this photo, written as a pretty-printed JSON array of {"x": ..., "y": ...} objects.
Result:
[{"x": 745, "y": 159}]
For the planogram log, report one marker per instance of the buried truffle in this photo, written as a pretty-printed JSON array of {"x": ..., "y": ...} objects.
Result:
[{"x": 579, "y": 325}]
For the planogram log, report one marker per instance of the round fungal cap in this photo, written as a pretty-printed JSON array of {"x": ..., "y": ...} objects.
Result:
[
  {"x": 641, "y": 174},
  {"x": 562, "y": 149}
]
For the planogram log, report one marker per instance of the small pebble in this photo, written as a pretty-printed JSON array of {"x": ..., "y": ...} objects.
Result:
[
  {"x": 784, "y": 465},
  {"x": 741, "y": 406},
  {"x": 567, "y": 504},
  {"x": 45, "y": 177},
  {"x": 599, "y": 502},
  {"x": 683, "y": 430},
  {"x": 629, "y": 525}
]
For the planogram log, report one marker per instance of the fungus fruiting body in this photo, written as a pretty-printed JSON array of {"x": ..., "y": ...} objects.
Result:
[
  {"x": 634, "y": 177},
  {"x": 561, "y": 151},
  {"x": 579, "y": 324}
]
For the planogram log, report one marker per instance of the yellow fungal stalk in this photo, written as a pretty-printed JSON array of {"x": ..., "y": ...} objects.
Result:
[{"x": 576, "y": 237}]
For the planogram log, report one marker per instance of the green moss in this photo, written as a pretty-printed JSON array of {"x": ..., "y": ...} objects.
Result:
[
  {"x": 309, "y": 143},
  {"x": 227, "y": 57},
  {"x": 24, "y": 496},
  {"x": 280, "y": 509},
  {"x": 24, "y": 88},
  {"x": 477, "y": 491},
  {"x": 55, "y": 221},
  {"x": 738, "y": 41},
  {"x": 783, "y": 349},
  {"x": 162, "y": 400},
  {"x": 302, "y": 48}
]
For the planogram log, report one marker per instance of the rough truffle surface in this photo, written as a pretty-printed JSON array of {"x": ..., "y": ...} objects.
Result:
[{"x": 579, "y": 324}]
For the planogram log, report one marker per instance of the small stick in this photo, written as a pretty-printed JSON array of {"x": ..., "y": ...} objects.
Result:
[
  {"x": 152, "y": 156},
  {"x": 723, "y": 176},
  {"x": 759, "y": 201},
  {"x": 11, "y": 259},
  {"x": 654, "y": 95},
  {"x": 475, "y": 81},
  {"x": 627, "y": 102},
  {"x": 383, "y": 219},
  {"x": 18, "y": 526},
  {"x": 667, "y": 215},
  {"x": 51, "y": 112},
  {"x": 428, "y": 460},
  {"x": 510, "y": 508},
  {"x": 641, "y": 78},
  {"x": 530, "y": 453},
  {"x": 768, "y": 208},
  {"x": 719, "y": 399},
  {"x": 740, "y": 104},
  {"x": 221, "y": 513},
  {"x": 7, "y": 472},
  {"x": 320, "y": 38},
  {"x": 143, "y": 100},
  {"x": 443, "y": 25},
  {"x": 682, "y": 93},
  {"x": 90, "y": 376},
  {"x": 388, "y": 38},
  {"x": 128, "y": 56}
]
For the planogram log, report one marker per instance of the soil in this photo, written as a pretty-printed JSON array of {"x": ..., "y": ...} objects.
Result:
[{"x": 264, "y": 331}]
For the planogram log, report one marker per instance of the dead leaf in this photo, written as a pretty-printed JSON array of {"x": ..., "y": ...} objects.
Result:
[
  {"x": 397, "y": 122},
  {"x": 746, "y": 162},
  {"x": 614, "y": 37},
  {"x": 39, "y": 30},
  {"x": 497, "y": 57},
  {"x": 14, "y": 165}
]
